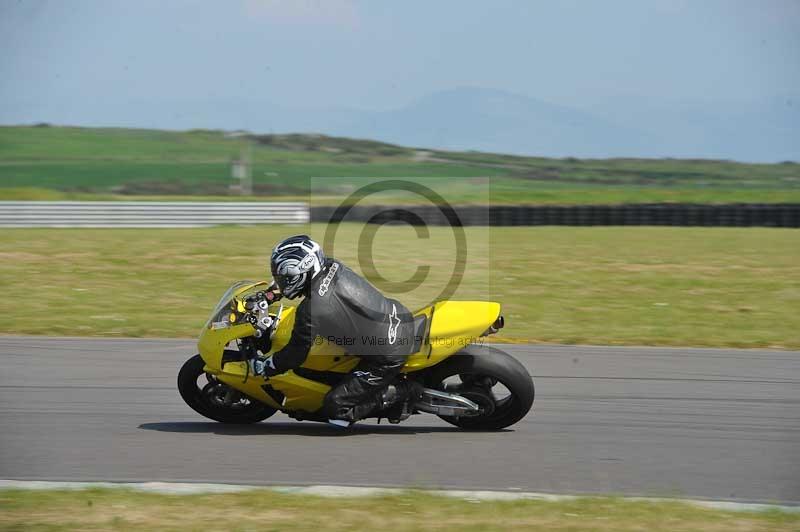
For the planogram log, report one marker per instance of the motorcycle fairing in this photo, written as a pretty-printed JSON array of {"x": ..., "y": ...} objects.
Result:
[{"x": 448, "y": 326}]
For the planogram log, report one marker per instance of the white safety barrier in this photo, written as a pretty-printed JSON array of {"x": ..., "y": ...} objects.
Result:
[{"x": 148, "y": 213}]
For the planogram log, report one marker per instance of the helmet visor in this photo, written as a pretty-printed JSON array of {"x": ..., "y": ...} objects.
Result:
[{"x": 290, "y": 285}]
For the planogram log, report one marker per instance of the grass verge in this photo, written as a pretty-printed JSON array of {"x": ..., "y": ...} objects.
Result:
[
  {"x": 102, "y": 509},
  {"x": 499, "y": 191},
  {"x": 605, "y": 285}
]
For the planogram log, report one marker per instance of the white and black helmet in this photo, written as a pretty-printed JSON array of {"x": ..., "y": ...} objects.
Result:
[{"x": 295, "y": 262}]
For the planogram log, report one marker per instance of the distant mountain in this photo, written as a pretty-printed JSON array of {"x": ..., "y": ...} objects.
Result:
[
  {"x": 764, "y": 131},
  {"x": 478, "y": 119},
  {"x": 496, "y": 121}
]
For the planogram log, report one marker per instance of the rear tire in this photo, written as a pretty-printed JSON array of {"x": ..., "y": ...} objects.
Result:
[
  {"x": 202, "y": 400},
  {"x": 481, "y": 362}
]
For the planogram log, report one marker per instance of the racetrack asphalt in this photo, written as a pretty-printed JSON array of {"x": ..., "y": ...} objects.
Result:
[{"x": 702, "y": 423}]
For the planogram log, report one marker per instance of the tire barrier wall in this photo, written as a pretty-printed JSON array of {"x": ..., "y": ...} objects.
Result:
[
  {"x": 203, "y": 214},
  {"x": 671, "y": 214}
]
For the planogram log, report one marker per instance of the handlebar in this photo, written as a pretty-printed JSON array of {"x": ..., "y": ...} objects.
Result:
[{"x": 257, "y": 314}]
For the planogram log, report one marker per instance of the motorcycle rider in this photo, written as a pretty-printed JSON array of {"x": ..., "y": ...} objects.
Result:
[{"x": 341, "y": 306}]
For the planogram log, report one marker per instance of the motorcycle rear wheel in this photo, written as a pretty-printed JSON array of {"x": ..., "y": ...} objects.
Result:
[
  {"x": 208, "y": 400},
  {"x": 480, "y": 369}
]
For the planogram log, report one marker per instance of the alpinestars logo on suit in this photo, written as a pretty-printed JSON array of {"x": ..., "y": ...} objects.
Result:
[
  {"x": 326, "y": 282},
  {"x": 394, "y": 323}
]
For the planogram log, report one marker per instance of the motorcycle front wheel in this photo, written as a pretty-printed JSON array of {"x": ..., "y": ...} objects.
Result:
[
  {"x": 495, "y": 380},
  {"x": 216, "y": 400}
]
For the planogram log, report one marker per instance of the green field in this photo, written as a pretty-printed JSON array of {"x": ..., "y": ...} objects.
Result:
[
  {"x": 617, "y": 286},
  {"x": 104, "y": 509},
  {"x": 85, "y": 163}
]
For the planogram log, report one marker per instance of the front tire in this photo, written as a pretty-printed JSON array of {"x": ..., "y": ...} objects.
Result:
[
  {"x": 480, "y": 369},
  {"x": 215, "y": 399}
]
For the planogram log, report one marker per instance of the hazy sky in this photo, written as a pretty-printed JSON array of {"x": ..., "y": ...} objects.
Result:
[{"x": 382, "y": 54}]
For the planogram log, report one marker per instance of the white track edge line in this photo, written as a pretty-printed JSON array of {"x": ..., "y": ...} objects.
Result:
[{"x": 189, "y": 488}]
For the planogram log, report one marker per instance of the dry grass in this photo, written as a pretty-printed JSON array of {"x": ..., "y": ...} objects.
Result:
[
  {"x": 612, "y": 285},
  {"x": 267, "y": 510}
]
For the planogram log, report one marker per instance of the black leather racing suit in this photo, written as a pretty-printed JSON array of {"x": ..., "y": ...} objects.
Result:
[{"x": 341, "y": 306}]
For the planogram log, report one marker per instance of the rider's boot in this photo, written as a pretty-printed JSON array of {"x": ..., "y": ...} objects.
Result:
[
  {"x": 397, "y": 401},
  {"x": 405, "y": 390}
]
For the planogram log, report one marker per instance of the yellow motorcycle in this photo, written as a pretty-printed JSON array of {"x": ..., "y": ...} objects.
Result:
[{"x": 466, "y": 383}]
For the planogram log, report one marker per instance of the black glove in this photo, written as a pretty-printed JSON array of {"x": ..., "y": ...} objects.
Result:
[
  {"x": 256, "y": 301},
  {"x": 261, "y": 299}
]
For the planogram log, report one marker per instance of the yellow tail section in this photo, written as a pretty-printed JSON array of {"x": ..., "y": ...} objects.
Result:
[{"x": 453, "y": 326}]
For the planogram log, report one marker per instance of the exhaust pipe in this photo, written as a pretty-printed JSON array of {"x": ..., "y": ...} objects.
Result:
[{"x": 498, "y": 324}]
